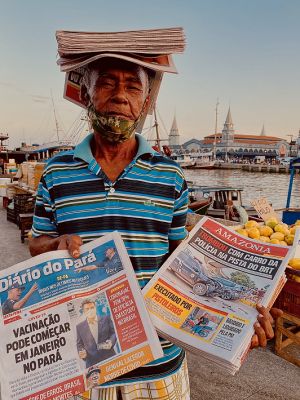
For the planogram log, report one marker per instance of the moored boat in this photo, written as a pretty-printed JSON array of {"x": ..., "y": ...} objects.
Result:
[
  {"x": 223, "y": 202},
  {"x": 203, "y": 160},
  {"x": 183, "y": 160}
]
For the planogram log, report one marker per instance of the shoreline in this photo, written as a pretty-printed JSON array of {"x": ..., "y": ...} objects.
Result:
[{"x": 281, "y": 169}]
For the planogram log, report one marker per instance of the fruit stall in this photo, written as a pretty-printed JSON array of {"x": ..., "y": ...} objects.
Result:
[{"x": 287, "y": 333}]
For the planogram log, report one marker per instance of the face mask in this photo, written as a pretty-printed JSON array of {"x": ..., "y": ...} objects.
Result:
[
  {"x": 91, "y": 313},
  {"x": 113, "y": 129}
]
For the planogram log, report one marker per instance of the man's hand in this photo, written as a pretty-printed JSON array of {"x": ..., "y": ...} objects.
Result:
[
  {"x": 107, "y": 345},
  {"x": 33, "y": 288},
  {"x": 44, "y": 243},
  {"x": 264, "y": 326},
  {"x": 70, "y": 243},
  {"x": 82, "y": 354}
]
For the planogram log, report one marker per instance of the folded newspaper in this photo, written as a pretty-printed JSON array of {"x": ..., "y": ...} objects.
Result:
[
  {"x": 203, "y": 298},
  {"x": 70, "y": 324}
]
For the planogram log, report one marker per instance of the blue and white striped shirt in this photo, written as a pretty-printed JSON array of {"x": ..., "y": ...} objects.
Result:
[{"x": 147, "y": 205}]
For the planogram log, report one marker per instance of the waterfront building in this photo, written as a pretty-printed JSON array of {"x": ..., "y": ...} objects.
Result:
[
  {"x": 32, "y": 152},
  {"x": 47, "y": 150},
  {"x": 174, "y": 136},
  {"x": 230, "y": 145}
]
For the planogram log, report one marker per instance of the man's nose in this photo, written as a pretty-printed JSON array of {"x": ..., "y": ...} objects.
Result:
[{"x": 119, "y": 94}]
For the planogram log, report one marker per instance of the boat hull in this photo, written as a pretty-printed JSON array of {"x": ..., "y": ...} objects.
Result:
[{"x": 204, "y": 165}]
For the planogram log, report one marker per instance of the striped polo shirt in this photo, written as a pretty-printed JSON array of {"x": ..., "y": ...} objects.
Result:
[{"x": 147, "y": 205}]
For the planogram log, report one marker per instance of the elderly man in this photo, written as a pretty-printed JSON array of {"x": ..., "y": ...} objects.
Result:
[{"x": 115, "y": 181}]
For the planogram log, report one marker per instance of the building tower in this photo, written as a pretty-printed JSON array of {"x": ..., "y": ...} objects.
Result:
[
  {"x": 3, "y": 136},
  {"x": 174, "y": 134},
  {"x": 263, "y": 131},
  {"x": 228, "y": 131}
]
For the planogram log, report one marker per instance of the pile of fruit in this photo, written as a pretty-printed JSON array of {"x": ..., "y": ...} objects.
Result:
[
  {"x": 295, "y": 264},
  {"x": 271, "y": 231},
  {"x": 274, "y": 232}
]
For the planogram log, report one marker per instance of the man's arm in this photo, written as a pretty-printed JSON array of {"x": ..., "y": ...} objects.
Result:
[
  {"x": 173, "y": 244},
  {"x": 111, "y": 340},
  {"x": 44, "y": 243},
  {"x": 112, "y": 337},
  {"x": 80, "y": 345},
  {"x": 45, "y": 235}
]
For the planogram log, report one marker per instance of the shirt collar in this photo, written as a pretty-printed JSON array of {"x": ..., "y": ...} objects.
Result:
[
  {"x": 84, "y": 152},
  {"x": 93, "y": 322}
]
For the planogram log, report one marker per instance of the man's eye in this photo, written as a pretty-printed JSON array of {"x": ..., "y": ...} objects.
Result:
[
  {"x": 134, "y": 88},
  {"x": 107, "y": 84}
]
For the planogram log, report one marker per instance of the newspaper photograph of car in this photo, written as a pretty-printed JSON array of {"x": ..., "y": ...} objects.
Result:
[{"x": 192, "y": 271}]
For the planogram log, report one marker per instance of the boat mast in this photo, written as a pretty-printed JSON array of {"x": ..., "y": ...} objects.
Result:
[
  {"x": 55, "y": 118},
  {"x": 216, "y": 132},
  {"x": 157, "y": 141}
]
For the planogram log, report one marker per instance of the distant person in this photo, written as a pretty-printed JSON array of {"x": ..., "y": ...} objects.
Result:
[
  {"x": 14, "y": 301},
  {"x": 95, "y": 335},
  {"x": 112, "y": 263}
]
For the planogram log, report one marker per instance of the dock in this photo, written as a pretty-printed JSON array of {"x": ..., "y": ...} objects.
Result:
[{"x": 279, "y": 169}]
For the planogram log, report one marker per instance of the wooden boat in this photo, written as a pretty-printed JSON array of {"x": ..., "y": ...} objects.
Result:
[
  {"x": 203, "y": 160},
  {"x": 220, "y": 202},
  {"x": 200, "y": 206},
  {"x": 183, "y": 160}
]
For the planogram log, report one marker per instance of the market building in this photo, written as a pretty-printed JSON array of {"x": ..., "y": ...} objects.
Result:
[
  {"x": 229, "y": 145},
  {"x": 174, "y": 136}
]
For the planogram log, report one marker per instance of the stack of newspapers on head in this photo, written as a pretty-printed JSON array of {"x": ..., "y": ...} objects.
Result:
[
  {"x": 153, "y": 47},
  {"x": 204, "y": 296}
]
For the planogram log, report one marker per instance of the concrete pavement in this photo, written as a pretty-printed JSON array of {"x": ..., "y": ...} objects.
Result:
[{"x": 263, "y": 376}]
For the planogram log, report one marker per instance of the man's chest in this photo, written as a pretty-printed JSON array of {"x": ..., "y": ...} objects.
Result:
[{"x": 99, "y": 205}]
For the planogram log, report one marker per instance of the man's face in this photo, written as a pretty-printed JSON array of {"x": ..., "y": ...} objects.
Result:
[
  {"x": 89, "y": 310},
  {"x": 15, "y": 294},
  {"x": 110, "y": 252},
  {"x": 118, "y": 91},
  {"x": 94, "y": 377}
]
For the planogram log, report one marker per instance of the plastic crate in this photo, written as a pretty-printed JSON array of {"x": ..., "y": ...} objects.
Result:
[
  {"x": 11, "y": 215},
  {"x": 24, "y": 203},
  {"x": 289, "y": 298}
]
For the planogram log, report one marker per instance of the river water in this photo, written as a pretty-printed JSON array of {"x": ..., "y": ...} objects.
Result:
[{"x": 255, "y": 184}]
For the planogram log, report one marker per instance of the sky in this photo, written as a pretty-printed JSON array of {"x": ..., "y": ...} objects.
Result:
[{"x": 243, "y": 53}]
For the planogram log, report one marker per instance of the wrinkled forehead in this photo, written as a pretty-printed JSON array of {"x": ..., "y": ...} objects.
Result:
[{"x": 111, "y": 66}]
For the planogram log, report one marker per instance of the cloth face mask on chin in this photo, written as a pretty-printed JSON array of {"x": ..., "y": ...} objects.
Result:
[{"x": 114, "y": 129}]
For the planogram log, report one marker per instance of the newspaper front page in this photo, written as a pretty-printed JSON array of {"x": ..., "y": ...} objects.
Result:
[
  {"x": 70, "y": 324},
  {"x": 203, "y": 297}
]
